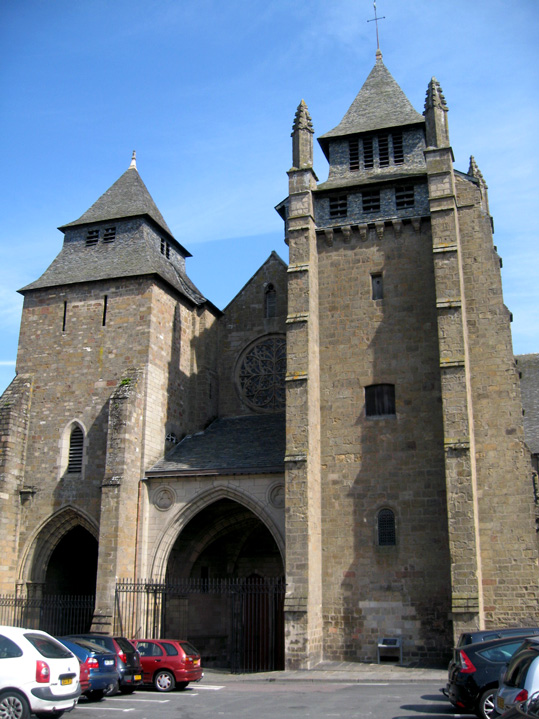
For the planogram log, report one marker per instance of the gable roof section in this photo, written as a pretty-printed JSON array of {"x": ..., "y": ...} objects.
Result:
[
  {"x": 127, "y": 197},
  {"x": 379, "y": 104},
  {"x": 254, "y": 444}
]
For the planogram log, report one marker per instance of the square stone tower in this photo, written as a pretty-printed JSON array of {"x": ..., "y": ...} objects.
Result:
[{"x": 408, "y": 485}]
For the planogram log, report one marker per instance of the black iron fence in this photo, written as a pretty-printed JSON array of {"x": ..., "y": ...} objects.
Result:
[
  {"x": 234, "y": 623},
  {"x": 56, "y": 614}
]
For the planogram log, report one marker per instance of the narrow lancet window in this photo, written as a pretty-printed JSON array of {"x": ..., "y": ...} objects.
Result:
[
  {"x": 76, "y": 447},
  {"x": 270, "y": 302}
]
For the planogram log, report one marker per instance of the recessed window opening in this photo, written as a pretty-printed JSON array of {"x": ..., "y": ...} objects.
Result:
[
  {"x": 338, "y": 206},
  {"x": 370, "y": 200},
  {"x": 270, "y": 302},
  {"x": 353, "y": 148},
  {"x": 380, "y": 400},
  {"x": 377, "y": 286},
  {"x": 92, "y": 238},
  {"x": 76, "y": 447},
  {"x": 404, "y": 196},
  {"x": 387, "y": 536},
  {"x": 109, "y": 234},
  {"x": 383, "y": 150},
  {"x": 398, "y": 149},
  {"x": 368, "y": 153},
  {"x": 104, "y": 320},
  {"x": 165, "y": 249},
  {"x": 65, "y": 317}
]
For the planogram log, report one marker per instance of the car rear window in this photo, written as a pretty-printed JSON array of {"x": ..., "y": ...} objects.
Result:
[
  {"x": 104, "y": 642},
  {"x": 518, "y": 668},
  {"x": 125, "y": 645},
  {"x": 48, "y": 647},
  {"x": 8, "y": 648},
  {"x": 501, "y": 653},
  {"x": 90, "y": 646},
  {"x": 188, "y": 648}
]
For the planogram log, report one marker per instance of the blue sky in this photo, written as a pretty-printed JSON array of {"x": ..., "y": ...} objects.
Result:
[{"x": 206, "y": 90}]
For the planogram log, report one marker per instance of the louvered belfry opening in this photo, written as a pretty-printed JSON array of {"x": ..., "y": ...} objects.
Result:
[{"x": 76, "y": 447}]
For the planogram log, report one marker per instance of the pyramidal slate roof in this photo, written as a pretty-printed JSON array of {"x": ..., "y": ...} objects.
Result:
[
  {"x": 379, "y": 104},
  {"x": 252, "y": 444},
  {"x": 134, "y": 252},
  {"x": 127, "y": 197}
]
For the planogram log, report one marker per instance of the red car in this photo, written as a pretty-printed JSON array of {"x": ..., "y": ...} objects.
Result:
[{"x": 168, "y": 663}]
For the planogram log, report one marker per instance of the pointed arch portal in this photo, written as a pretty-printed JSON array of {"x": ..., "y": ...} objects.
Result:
[{"x": 223, "y": 589}]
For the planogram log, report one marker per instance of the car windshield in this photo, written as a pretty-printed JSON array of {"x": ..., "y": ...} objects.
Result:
[{"x": 48, "y": 647}]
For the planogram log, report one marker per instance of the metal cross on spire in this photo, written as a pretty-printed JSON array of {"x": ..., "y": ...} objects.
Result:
[{"x": 375, "y": 19}]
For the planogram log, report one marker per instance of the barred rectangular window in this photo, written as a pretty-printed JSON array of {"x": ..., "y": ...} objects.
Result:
[
  {"x": 404, "y": 196},
  {"x": 368, "y": 153},
  {"x": 370, "y": 200},
  {"x": 377, "y": 286},
  {"x": 353, "y": 149},
  {"x": 380, "y": 400},
  {"x": 398, "y": 149},
  {"x": 92, "y": 238},
  {"x": 165, "y": 249},
  {"x": 338, "y": 206},
  {"x": 109, "y": 234},
  {"x": 383, "y": 150}
]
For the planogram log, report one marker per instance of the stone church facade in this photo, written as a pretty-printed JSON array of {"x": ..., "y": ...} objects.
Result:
[{"x": 351, "y": 421}]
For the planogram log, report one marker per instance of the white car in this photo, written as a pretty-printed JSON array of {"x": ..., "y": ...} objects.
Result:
[
  {"x": 520, "y": 680},
  {"x": 37, "y": 674}
]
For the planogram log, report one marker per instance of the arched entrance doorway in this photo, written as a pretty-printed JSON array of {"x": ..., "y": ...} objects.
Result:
[
  {"x": 226, "y": 589},
  {"x": 72, "y": 567}
]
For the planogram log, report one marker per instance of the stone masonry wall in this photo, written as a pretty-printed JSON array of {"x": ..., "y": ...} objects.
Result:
[
  {"x": 394, "y": 462},
  {"x": 504, "y": 472}
]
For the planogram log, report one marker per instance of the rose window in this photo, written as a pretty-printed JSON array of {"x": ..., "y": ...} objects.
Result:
[{"x": 261, "y": 374}]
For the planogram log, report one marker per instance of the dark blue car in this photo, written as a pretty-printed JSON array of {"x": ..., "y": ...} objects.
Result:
[{"x": 104, "y": 676}]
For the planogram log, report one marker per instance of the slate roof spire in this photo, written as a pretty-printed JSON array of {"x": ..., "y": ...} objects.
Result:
[
  {"x": 380, "y": 104},
  {"x": 127, "y": 197}
]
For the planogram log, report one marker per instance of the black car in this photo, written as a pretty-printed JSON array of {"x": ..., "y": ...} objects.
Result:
[
  {"x": 474, "y": 672},
  {"x": 484, "y": 635},
  {"x": 128, "y": 659}
]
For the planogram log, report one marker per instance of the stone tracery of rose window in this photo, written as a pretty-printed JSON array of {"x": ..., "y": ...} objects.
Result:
[{"x": 261, "y": 374}]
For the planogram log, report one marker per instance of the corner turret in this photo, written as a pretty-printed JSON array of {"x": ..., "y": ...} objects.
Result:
[
  {"x": 302, "y": 138},
  {"x": 436, "y": 127}
]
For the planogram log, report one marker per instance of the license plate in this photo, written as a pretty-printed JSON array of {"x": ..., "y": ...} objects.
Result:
[
  {"x": 138, "y": 677},
  {"x": 109, "y": 662},
  {"x": 68, "y": 680},
  {"x": 500, "y": 702}
]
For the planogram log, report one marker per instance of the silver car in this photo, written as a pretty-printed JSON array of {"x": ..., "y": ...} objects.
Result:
[{"x": 520, "y": 679}]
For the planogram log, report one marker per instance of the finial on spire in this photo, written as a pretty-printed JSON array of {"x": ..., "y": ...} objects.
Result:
[
  {"x": 375, "y": 19},
  {"x": 133, "y": 160}
]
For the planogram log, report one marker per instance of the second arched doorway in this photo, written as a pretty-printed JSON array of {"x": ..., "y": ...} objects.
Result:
[{"x": 225, "y": 589}]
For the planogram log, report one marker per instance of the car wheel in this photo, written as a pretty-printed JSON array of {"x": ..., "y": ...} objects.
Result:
[
  {"x": 95, "y": 695},
  {"x": 164, "y": 681},
  {"x": 486, "y": 709},
  {"x": 13, "y": 706},
  {"x": 111, "y": 690}
]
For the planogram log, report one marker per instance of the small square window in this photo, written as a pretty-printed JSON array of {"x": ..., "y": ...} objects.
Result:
[
  {"x": 370, "y": 200},
  {"x": 338, "y": 206},
  {"x": 92, "y": 238},
  {"x": 404, "y": 196},
  {"x": 380, "y": 400},
  {"x": 109, "y": 234}
]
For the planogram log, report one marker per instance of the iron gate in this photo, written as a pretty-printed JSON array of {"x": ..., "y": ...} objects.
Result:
[
  {"x": 56, "y": 614},
  {"x": 234, "y": 623}
]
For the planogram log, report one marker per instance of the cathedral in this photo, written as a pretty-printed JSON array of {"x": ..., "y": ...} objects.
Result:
[{"x": 348, "y": 431}]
